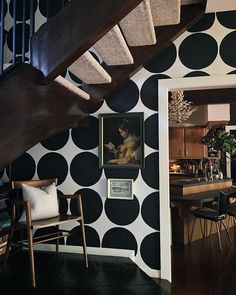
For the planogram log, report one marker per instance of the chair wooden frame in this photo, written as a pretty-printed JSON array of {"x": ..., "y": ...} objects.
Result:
[{"x": 31, "y": 225}]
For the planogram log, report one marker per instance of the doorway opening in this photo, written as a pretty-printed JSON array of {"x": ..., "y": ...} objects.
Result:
[{"x": 184, "y": 84}]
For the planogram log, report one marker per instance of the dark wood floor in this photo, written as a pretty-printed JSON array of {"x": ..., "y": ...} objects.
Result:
[
  {"x": 200, "y": 269},
  {"x": 64, "y": 274}
]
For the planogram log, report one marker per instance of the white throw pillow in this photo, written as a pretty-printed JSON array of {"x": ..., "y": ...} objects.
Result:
[{"x": 43, "y": 201}]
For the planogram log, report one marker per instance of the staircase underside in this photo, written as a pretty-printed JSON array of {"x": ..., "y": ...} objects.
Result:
[
  {"x": 31, "y": 112},
  {"x": 35, "y": 106}
]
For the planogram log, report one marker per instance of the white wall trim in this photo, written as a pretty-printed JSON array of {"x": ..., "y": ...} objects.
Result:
[
  {"x": 190, "y": 83},
  {"x": 90, "y": 250}
]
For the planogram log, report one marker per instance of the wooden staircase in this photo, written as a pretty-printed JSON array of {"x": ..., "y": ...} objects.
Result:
[{"x": 37, "y": 102}]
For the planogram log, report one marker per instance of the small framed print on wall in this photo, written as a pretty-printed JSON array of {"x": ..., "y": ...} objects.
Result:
[
  {"x": 121, "y": 140},
  {"x": 120, "y": 188}
]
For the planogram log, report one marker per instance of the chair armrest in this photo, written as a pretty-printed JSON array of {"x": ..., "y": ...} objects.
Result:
[{"x": 69, "y": 196}]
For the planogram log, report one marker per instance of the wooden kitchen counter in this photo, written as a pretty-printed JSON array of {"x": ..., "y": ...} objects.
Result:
[{"x": 182, "y": 217}]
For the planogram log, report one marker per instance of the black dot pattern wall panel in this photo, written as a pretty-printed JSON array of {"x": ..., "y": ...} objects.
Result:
[{"x": 208, "y": 48}]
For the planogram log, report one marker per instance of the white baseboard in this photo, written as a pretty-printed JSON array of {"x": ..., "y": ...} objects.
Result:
[{"x": 90, "y": 250}]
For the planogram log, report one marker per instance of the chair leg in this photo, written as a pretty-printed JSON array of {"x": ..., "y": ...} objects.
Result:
[
  {"x": 57, "y": 240},
  {"x": 84, "y": 243},
  {"x": 219, "y": 235},
  {"x": 210, "y": 234},
  {"x": 10, "y": 235},
  {"x": 202, "y": 228},
  {"x": 30, "y": 241},
  {"x": 80, "y": 206},
  {"x": 31, "y": 254},
  {"x": 227, "y": 232},
  {"x": 191, "y": 235}
]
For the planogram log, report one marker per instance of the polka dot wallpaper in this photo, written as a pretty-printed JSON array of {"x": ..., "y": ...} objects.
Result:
[{"x": 208, "y": 48}]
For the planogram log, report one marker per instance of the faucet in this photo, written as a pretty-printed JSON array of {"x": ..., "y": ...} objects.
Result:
[{"x": 206, "y": 168}]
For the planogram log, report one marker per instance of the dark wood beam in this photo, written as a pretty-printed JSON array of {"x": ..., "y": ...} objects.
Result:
[
  {"x": 31, "y": 112},
  {"x": 190, "y": 14},
  {"x": 211, "y": 96},
  {"x": 72, "y": 31}
]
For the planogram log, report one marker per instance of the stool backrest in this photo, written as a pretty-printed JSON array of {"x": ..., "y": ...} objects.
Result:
[{"x": 223, "y": 203}]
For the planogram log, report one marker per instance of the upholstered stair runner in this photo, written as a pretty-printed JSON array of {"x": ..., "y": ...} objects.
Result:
[
  {"x": 72, "y": 87},
  {"x": 165, "y": 12},
  {"x": 88, "y": 69},
  {"x": 113, "y": 49},
  {"x": 136, "y": 29}
]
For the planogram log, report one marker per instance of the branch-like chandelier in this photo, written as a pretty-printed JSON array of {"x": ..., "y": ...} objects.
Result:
[{"x": 179, "y": 108}]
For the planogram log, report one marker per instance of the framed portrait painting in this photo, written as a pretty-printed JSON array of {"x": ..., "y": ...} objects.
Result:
[{"x": 121, "y": 140}]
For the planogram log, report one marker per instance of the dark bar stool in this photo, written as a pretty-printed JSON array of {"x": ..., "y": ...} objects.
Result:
[{"x": 217, "y": 215}]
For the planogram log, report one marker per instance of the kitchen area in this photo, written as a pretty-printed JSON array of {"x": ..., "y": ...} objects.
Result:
[{"x": 197, "y": 168}]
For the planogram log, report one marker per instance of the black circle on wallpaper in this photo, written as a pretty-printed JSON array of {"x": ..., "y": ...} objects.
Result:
[
  {"x": 92, "y": 205},
  {"x": 232, "y": 72},
  {"x": 119, "y": 238},
  {"x": 150, "y": 210},
  {"x": 49, "y": 8},
  {"x": 196, "y": 74},
  {"x": 74, "y": 78},
  {"x": 63, "y": 73},
  {"x": 149, "y": 91},
  {"x": 198, "y": 51},
  {"x": 227, "y": 19},
  {"x": 124, "y": 99},
  {"x": 63, "y": 203},
  {"x": 85, "y": 169},
  {"x": 204, "y": 23},
  {"x": 19, "y": 8},
  {"x": 53, "y": 165},
  {"x": 121, "y": 173},
  {"x": 23, "y": 168},
  {"x": 164, "y": 61},
  {"x": 18, "y": 43},
  {"x": 150, "y": 174},
  {"x": 56, "y": 141},
  {"x": 122, "y": 212},
  {"x": 4, "y": 36},
  {"x": 151, "y": 131},
  {"x": 92, "y": 237},
  {"x": 228, "y": 49},
  {"x": 94, "y": 106},
  {"x": 150, "y": 250},
  {"x": 86, "y": 137}
]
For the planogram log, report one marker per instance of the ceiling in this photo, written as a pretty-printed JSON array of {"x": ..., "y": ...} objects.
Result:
[{"x": 220, "y": 5}]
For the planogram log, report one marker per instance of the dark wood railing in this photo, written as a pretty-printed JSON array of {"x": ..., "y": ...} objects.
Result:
[{"x": 20, "y": 8}]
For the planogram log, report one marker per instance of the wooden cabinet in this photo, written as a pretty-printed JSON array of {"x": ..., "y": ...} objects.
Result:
[{"x": 185, "y": 143}]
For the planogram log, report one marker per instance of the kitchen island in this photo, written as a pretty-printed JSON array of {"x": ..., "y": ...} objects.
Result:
[{"x": 187, "y": 195}]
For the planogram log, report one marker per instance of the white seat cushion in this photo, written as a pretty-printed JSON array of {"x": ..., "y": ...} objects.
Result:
[{"x": 43, "y": 201}]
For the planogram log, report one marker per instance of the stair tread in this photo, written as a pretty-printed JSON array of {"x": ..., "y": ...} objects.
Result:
[
  {"x": 72, "y": 87},
  {"x": 89, "y": 70},
  {"x": 113, "y": 49},
  {"x": 165, "y": 12},
  {"x": 138, "y": 27}
]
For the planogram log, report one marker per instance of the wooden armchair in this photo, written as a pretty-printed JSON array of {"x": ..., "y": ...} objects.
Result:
[{"x": 31, "y": 221}]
